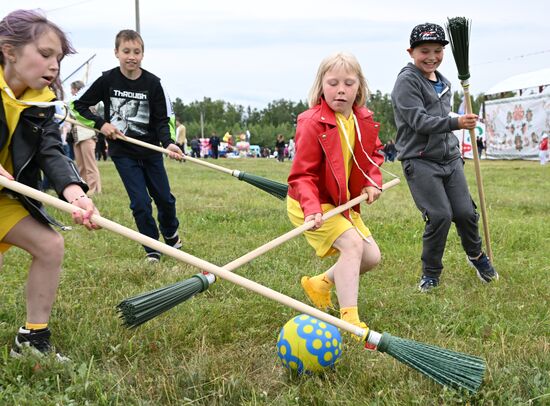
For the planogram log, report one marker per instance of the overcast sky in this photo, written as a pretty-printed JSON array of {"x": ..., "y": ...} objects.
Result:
[{"x": 253, "y": 52}]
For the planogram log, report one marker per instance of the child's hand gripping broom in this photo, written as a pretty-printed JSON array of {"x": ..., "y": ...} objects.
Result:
[
  {"x": 446, "y": 367},
  {"x": 277, "y": 189},
  {"x": 458, "y": 29},
  {"x": 138, "y": 309}
]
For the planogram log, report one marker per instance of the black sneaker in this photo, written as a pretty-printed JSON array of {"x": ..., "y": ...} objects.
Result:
[
  {"x": 36, "y": 340},
  {"x": 427, "y": 283},
  {"x": 173, "y": 241},
  {"x": 485, "y": 271},
  {"x": 153, "y": 257}
]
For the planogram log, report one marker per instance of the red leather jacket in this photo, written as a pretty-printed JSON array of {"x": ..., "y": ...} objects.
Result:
[{"x": 318, "y": 175}]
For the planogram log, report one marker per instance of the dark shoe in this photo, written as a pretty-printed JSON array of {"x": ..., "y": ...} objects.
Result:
[
  {"x": 173, "y": 241},
  {"x": 36, "y": 340},
  {"x": 427, "y": 283},
  {"x": 485, "y": 271},
  {"x": 153, "y": 257}
]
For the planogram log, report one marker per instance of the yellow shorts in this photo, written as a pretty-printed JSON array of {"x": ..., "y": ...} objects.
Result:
[
  {"x": 11, "y": 213},
  {"x": 323, "y": 238}
]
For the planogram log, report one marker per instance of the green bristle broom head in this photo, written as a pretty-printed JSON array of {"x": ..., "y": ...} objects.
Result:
[
  {"x": 277, "y": 189},
  {"x": 146, "y": 306},
  {"x": 449, "y": 368},
  {"x": 458, "y": 30}
]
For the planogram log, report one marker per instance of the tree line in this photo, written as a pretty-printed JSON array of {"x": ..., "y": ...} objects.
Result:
[{"x": 278, "y": 117}]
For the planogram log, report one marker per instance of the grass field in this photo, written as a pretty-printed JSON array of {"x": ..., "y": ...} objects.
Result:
[{"x": 219, "y": 347}]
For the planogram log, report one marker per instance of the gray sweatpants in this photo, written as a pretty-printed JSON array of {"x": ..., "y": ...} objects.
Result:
[{"x": 441, "y": 194}]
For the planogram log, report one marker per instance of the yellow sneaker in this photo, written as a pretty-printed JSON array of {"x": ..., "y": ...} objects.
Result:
[{"x": 319, "y": 298}]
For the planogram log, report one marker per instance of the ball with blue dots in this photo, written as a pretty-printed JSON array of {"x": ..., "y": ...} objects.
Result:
[{"x": 307, "y": 345}]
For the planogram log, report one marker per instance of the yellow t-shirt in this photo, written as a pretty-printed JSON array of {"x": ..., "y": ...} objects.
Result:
[
  {"x": 323, "y": 238},
  {"x": 12, "y": 211}
]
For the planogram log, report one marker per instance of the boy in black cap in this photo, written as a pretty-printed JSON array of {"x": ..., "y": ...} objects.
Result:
[{"x": 430, "y": 155}]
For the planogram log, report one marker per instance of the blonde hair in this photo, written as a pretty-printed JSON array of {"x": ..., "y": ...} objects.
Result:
[{"x": 339, "y": 60}]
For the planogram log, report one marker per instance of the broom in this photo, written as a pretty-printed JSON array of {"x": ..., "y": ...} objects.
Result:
[
  {"x": 454, "y": 369},
  {"x": 279, "y": 190},
  {"x": 458, "y": 29},
  {"x": 138, "y": 309}
]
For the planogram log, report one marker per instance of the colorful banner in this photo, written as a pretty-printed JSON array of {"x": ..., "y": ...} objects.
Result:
[
  {"x": 515, "y": 126},
  {"x": 466, "y": 143}
]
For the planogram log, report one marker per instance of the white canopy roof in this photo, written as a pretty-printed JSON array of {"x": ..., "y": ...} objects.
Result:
[{"x": 523, "y": 81}]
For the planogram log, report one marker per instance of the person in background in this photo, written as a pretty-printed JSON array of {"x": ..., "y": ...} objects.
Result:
[
  {"x": 214, "y": 145},
  {"x": 135, "y": 100},
  {"x": 84, "y": 150},
  {"x": 431, "y": 159},
  {"x": 390, "y": 151},
  {"x": 543, "y": 149},
  {"x": 480, "y": 146},
  {"x": 101, "y": 147},
  {"x": 291, "y": 149},
  {"x": 195, "y": 147},
  {"x": 181, "y": 139},
  {"x": 31, "y": 49},
  {"x": 337, "y": 144},
  {"x": 280, "y": 147}
]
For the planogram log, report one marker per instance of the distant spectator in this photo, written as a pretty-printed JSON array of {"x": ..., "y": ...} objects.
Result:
[
  {"x": 280, "y": 146},
  {"x": 543, "y": 149},
  {"x": 181, "y": 139},
  {"x": 480, "y": 146},
  {"x": 84, "y": 150},
  {"x": 101, "y": 147},
  {"x": 214, "y": 145},
  {"x": 291, "y": 149},
  {"x": 195, "y": 147},
  {"x": 389, "y": 151}
]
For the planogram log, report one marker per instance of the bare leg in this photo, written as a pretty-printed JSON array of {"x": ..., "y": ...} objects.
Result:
[
  {"x": 349, "y": 286},
  {"x": 46, "y": 247},
  {"x": 356, "y": 256}
]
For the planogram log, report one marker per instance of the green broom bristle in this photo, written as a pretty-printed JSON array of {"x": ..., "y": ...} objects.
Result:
[
  {"x": 449, "y": 368},
  {"x": 458, "y": 30},
  {"x": 277, "y": 189},
  {"x": 146, "y": 306}
]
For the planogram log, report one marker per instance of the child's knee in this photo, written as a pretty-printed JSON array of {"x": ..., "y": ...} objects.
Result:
[
  {"x": 371, "y": 258},
  {"x": 51, "y": 248}
]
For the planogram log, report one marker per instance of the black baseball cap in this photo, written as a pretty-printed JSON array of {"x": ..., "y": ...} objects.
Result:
[{"x": 427, "y": 32}]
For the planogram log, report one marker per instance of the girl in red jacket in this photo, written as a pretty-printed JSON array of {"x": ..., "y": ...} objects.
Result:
[{"x": 336, "y": 160}]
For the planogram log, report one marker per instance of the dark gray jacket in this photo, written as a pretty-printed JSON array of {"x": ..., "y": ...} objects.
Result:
[
  {"x": 36, "y": 145},
  {"x": 422, "y": 118}
]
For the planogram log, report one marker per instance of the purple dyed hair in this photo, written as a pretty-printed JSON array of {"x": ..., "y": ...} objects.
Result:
[{"x": 21, "y": 27}]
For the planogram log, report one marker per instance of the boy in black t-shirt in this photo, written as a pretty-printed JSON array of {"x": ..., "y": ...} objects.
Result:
[{"x": 137, "y": 106}]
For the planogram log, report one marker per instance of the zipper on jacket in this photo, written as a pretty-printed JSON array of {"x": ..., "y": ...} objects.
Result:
[
  {"x": 446, "y": 142},
  {"x": 333, "y": 174},
  {"x": 49, "y": 219}
]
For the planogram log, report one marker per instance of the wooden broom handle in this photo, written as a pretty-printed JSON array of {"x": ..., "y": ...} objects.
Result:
[
  {"x": 301, "y": 229},
  {"x": 479, "y": 181},
  {"x": 152, "y": 147},
  {"x": 185, "y": 257}
]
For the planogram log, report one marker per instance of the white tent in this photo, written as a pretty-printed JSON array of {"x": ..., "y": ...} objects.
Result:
[{"x": 523, "y": 81}]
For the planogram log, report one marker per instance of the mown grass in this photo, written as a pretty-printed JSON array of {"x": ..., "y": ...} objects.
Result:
[{"x": 219, "y": 347}]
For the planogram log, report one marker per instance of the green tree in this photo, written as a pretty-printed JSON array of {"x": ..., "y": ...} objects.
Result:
[
  {"x": 278, "y": 117},
  {"x": 381, "y": 105}
]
